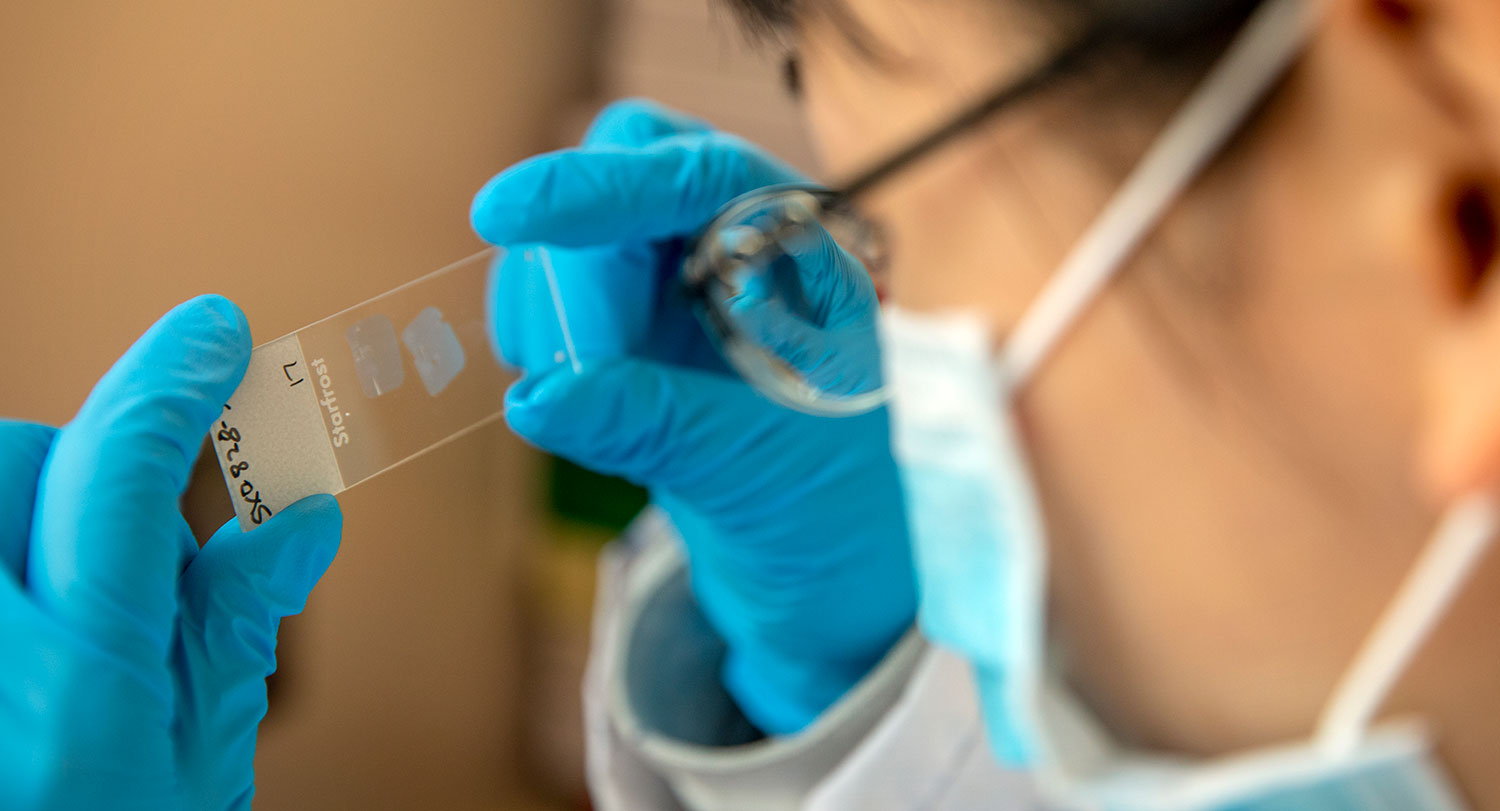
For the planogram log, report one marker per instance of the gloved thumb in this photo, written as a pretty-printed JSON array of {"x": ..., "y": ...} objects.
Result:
[
  {"x": 108, "y": 537},
  {"x": 234, "y": 594},
  {"x": 656, "y": 425}
]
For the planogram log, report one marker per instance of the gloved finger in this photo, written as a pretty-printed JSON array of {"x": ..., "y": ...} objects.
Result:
[
  {"x": 619, "y": 301},
  {"x": 607, "y": 295},
  {"x": 234, "y": 594},
  {"x": 109, "y": 539},
  {"x": 812, "y": 308},
  {"x": 524, "y": 330},
  {"x": 23, "y": 450},
  {"x": 582, "y": 197},
  {"x": 638, "y": 122},
  {"x": 608, "y": 292},
  {"x": 75, "y": 726},
  {"x": 836, "y": 285},
  {"x": 656, "y": 425},
  {"x": 808, "y": 271},
  {"x": 842, "y": 359}
]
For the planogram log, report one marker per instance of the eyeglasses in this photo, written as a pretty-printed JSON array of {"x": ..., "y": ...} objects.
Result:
[{"x": 786, "y": 279}]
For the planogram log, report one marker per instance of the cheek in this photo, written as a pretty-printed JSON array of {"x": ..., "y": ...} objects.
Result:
[
  {"x": 1342, "y": 257},
  {"x": 1334, "y": 331}
]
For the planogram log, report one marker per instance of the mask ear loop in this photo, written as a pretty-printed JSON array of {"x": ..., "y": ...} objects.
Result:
[
  {"x": 1438, "y": 576},
  {"x": 1269, "y": 43}
]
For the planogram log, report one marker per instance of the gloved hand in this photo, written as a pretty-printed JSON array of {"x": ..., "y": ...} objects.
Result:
[
  {"x": 793, "y": 524},
  {"x": 134, "y": 666}
]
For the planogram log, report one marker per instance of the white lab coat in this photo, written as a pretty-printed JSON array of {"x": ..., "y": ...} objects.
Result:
[{"x": 906, "y": 737}]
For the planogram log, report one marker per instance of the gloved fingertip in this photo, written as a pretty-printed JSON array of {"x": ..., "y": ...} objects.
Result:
[
  {"x": 212, "y": 322},
  {"x": 313, "y": 526},
  {"x": 320, "y": 507},
  {"x": 533, "y": 403},
  {"x": 505, "y": 210},
  {"x": 305, "y": 552},
  {"x": 222, "y": 313},
  {"x": 321, "y": 530},
  {"x": 268, "y": 571},
  {"x": 485, "y": 216},
  {"x": 163, "y": 393}
]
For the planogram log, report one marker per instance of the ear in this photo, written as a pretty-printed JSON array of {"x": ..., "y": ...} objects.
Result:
[{"x": 1454, "y": 47}]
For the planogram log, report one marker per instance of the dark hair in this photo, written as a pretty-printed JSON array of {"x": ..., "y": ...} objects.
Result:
[{"x": 1164, "y": 31}]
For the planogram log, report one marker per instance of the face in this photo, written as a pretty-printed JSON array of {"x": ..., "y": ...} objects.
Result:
[{"x": 1242, "y": 446}]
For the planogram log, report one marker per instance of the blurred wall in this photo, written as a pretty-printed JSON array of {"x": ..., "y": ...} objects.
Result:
[{"x": 299, "y": 157}]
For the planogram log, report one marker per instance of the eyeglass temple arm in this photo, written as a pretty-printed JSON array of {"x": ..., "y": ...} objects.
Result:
[{"x": 1063, "y": 62}]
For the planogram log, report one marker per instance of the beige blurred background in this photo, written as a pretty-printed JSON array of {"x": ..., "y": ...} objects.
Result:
[{"x": 299, "y": 158}]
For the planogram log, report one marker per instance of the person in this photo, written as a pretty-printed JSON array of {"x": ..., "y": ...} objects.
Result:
[
  {"x": 1187, "y": 332},
  {"x": 1187, "y": 328}
]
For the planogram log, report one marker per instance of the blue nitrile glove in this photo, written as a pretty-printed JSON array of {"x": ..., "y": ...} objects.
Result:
[
  {"x": 133, "y": 666},
  {"x": 794, "y": 526}
]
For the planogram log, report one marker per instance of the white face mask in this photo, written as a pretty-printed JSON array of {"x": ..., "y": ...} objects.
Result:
[{"x": 979, "y": 538}]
